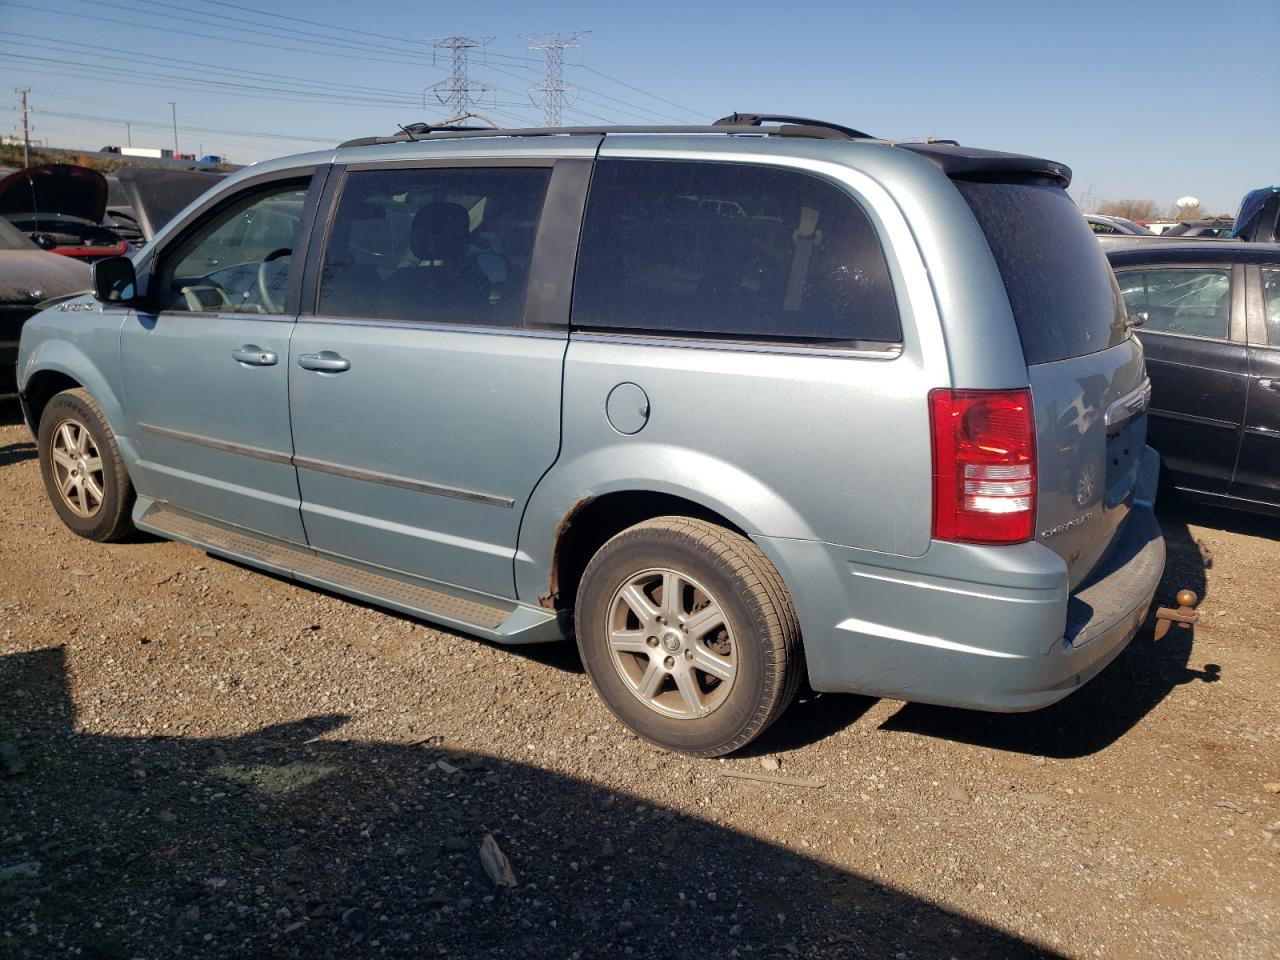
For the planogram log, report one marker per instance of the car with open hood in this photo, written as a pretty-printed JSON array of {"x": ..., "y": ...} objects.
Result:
[{"x": 61, "y": 207}]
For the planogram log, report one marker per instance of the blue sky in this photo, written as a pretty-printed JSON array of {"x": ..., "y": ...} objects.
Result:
[{"x": 1142, "y": 99}]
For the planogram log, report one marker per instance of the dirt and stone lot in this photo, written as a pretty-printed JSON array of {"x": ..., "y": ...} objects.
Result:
[{"x": 198, "y": 760}]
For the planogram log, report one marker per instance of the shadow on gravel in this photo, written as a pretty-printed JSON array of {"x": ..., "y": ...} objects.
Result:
[
  {"x": 1113, "y": 702},
  {"x": 12, "y": 453},
  {"x": 812, "y": 718},
  {"x": 266, "y": 846}
]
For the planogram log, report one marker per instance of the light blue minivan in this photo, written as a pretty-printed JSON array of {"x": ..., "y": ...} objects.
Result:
[{"x": 740, "y": 407}]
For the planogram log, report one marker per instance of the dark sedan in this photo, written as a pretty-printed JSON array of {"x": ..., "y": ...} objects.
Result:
[
  {"x": 28, "y": 275},
  {"x": 1211, "y": 329}
]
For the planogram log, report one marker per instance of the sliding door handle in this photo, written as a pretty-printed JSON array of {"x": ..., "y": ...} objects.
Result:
[
  {"x": 326, "y": 361},
  {"x": 1272, "y": 385},
  {"x": 254, "y": 356}
]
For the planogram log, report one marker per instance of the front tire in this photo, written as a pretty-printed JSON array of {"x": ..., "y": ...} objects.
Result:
[
  {"x": 689, "y": 635},
  {"x": 84, "y": 474}
]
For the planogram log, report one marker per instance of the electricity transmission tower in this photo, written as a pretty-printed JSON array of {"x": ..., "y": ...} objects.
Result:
[
  {"x": 25, "y": 110},
  {"x": 554, "y": 94},
  {"x": 458, "y": 92}
]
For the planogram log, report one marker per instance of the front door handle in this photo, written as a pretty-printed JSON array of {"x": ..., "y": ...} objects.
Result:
[
  {"x": 1272, "y": 385},
  {"x": 254, "y": 356},
  {"x": 326, "y": 361}
]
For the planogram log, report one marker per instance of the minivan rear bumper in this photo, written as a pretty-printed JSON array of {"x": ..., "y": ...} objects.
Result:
[{"x": 986, "y": 628}]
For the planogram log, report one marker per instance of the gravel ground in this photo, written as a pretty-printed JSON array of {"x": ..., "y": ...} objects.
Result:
[{"x": 199, "y": 760}]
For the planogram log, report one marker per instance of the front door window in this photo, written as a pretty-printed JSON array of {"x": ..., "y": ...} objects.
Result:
[{"x": 240, "y": 260}]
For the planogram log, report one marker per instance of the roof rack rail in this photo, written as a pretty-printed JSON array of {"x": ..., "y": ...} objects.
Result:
[
  {"x": 807, "y": 126},
  {"x": 745, "y": 125}
]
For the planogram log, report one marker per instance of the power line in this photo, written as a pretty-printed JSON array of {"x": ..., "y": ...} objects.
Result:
[
  {"x": 630, "y": 86},
  {"x": 299, "y": 89},
  {"x": 51, "y": 43},
  {"x": 240, "y": 41},
  {"x": 137, "y": 77},
  {"x": 502, "y": 70},
  {"x": 343, "y": 48},
  {"x": 648, "y": 116},
  {"x": 554, "y": 93},
  {"x": 314, "y": 23},
  {"x": 292, "y": 33},
  {"x": 193, "y": 127}
]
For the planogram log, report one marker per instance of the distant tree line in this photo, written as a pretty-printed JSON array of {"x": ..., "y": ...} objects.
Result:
[{"x": 1150, "y": 210}]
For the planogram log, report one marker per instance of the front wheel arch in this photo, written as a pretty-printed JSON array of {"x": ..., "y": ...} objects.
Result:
[{"x": 43, "y": 386}]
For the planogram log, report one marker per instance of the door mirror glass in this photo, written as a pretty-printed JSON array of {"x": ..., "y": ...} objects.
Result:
[{"x": 114, "y": 280}]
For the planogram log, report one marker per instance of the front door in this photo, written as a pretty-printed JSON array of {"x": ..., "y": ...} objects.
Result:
[
  {"x": 1258, "y": 473},
  {"x": 425, "y": 392},
  {"x": 206, "y": 368},
  {"x": 1193, "y": 336}
]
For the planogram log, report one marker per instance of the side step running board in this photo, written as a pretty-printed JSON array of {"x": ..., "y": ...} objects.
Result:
[{"x": 504, "y": 621}]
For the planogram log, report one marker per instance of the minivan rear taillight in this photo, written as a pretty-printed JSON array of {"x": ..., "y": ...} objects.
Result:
[{"x": 984, "y": 465}]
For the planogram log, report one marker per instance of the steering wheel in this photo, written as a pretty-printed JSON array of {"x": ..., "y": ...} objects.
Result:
[{"x": 264, "y": 292}]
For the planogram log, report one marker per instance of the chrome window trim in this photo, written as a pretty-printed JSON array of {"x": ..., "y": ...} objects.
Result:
[
  {"x": 436, "y": 326},
  {"x": 221, "y": 315},
  {"x": 739, "y": 346},
  {"x": 1141, "y": 329}
]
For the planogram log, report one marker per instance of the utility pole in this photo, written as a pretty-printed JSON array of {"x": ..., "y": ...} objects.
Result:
[
  {"x": 553, "y": 94},
  {"x": 128, "y": 134},
  {"x": 25, "y": 109},
  {"x": 174, "y": 108},
  {"x": 458, "y": 91}
]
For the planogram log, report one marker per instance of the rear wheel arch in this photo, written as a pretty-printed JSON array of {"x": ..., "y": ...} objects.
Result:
[{"x": 592, "y": 522}]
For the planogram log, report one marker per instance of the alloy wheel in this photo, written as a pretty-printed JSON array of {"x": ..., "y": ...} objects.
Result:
[
  {"x": 672, "y": 644},
  {"x": 77, "y": 468}
]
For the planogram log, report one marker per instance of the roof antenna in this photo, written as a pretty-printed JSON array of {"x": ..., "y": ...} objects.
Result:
[{"x": 405, "y": 131}]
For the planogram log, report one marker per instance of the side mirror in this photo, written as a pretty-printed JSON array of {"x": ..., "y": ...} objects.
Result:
[{"x": 114, "y": 280}]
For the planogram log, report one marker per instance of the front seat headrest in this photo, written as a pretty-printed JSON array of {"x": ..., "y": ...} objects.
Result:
[{"x": 440, "y": 232}]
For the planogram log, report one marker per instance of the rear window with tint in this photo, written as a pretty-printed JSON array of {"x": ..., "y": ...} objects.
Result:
[
  {"x": 733, "y": 251},
  {"x": 1062, "y": 292}
]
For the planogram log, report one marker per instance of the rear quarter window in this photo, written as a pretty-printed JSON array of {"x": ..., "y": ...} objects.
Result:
[
  {"x": 730, "y": 251},
  {"x": 1063, "y": 294}
]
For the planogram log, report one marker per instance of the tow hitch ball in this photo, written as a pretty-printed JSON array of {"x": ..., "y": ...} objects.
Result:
[{"x": 1184, "y": 616}]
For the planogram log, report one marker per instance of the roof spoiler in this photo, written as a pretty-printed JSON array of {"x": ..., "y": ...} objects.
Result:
[{"x": 972, "y": 163}]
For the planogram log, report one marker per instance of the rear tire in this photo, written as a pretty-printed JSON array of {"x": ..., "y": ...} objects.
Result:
[
  {"x": 689, "y": 635},
  {"x": 83, "y": 471}
]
